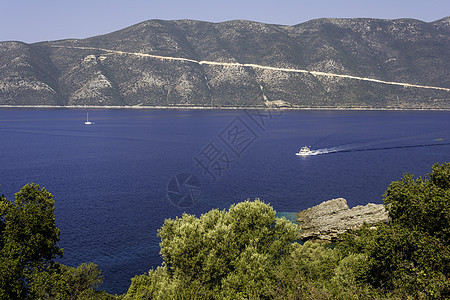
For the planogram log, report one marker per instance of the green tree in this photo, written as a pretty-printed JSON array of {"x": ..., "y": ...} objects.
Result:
[
  {"x": 28, "y": 239},
  {"x": 422, "y": 204},
  {"x": 68, "y": 283},
  {"x": 410, "y": 255},
  {"x": 155, "y": 285},
  {"x": 227, "y": 253},
  {"x": 305, "y": 272},
  {"x": 28, "y": 246}
]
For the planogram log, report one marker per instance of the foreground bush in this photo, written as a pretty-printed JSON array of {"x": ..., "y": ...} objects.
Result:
[
  {"x": 28, "y": 247},
  {"x": 221, "y": 254},
  {"x": 410, "y": 256}
]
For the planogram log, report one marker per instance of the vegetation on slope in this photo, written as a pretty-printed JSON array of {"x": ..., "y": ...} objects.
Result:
[
  {"x": 246, "y": 252},
  {"x": 120, "y": 68}
]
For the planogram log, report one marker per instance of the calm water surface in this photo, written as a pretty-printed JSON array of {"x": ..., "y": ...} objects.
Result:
[{"x": 110, "y": 179}]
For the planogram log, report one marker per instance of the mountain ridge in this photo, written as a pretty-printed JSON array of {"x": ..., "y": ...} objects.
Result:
[{"x": 109, "y": 71}]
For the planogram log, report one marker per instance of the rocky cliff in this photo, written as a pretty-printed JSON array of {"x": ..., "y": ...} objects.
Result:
[
  {"x": 324, "y": 222},
  {"x": 321, "y": 63}
]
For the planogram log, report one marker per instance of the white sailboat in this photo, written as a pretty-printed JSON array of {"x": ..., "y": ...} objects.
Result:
[{"x": 87, "y": 120}]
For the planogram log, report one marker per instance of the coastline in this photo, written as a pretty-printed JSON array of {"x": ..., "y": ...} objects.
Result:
[{"x": 219, "y": 108}]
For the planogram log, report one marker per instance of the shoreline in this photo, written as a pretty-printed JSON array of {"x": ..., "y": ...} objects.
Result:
[{"x": 79, "y": 107}]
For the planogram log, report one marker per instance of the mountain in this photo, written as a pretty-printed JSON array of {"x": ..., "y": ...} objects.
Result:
[{"x": 319, "y": 63}]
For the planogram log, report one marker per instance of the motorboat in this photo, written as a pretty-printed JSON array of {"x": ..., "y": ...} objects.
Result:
[{"x": 304, "y": 151}]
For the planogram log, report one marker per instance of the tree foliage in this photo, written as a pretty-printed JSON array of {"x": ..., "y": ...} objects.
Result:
[
  {"x": 422, "y": 204},
  {"x": 222, "y": 252},
  {"x": 410, "y": 255},
  {"x": 28, "y": 247},
  {"x": 28, "y": 239},
  {"x": 68, "y": 283}
]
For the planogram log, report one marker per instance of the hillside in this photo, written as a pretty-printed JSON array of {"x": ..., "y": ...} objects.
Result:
[{"x": 184, "y": 63}]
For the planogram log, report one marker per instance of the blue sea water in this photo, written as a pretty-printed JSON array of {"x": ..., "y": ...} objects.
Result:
[{"x": 116, "y": 181}]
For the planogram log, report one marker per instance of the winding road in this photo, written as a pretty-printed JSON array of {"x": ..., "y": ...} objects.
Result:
[{"x": 214, "y": 63}]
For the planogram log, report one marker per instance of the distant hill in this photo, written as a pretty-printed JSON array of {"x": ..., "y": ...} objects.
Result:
[{"x": 133, "y": 66}]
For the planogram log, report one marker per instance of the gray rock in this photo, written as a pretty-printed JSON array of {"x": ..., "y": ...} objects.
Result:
[{"x": 324, "y": 222}]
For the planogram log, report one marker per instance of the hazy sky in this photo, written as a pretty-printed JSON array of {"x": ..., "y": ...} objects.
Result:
[{"x": 40, "y": 20}]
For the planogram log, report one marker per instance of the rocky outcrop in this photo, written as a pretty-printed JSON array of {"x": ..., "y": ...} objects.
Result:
[{"x": 324, "y": 222}]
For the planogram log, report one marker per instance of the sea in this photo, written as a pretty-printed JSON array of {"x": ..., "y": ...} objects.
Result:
[{"x": 115, "y": 182}]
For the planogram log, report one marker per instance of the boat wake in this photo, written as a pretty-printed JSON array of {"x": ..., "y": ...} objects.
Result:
[
  {"x": 358, "y": 148},
  {"x": 327, "y": 150}
]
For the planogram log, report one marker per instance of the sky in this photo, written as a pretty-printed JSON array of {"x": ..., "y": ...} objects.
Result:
[{"x": 47, "y": 20}]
